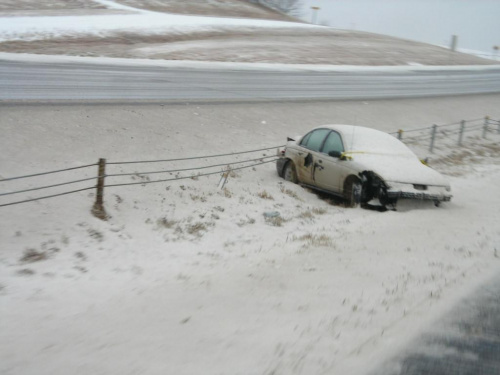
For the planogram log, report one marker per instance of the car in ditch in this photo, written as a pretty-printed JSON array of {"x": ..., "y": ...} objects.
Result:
[{"x": 361, "y": 165}]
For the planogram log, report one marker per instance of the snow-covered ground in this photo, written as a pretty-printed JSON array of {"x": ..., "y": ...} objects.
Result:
[{"x": 186, "y": 277}]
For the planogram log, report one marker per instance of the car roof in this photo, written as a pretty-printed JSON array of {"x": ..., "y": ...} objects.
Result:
[{"x": 364, "y": 139}]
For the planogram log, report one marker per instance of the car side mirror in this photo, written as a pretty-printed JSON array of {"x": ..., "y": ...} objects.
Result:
[{"x": 335, "y": 154}]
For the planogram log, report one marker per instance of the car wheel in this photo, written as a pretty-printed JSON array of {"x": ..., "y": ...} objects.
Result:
[
  {"x": 352, "y": 191},
  {"x": 289, "y": 173}
]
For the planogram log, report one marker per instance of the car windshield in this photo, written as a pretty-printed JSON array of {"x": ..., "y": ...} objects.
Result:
[{"x": 360, "y": 139}]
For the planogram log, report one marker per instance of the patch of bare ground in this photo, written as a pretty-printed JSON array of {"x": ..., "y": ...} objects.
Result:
[
  {"x": 219, "y": 8},
  {"x": 287, "y": 45},
  {"x": 13, "y": 5},
  {"x": 32, "y": 8}
]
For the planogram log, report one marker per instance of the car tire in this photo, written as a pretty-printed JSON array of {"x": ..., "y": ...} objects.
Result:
[
  {"x": 352, "y": 191},
  {"x": 289, "y": 172}
]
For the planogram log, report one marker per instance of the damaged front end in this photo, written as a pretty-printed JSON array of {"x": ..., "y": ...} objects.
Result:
[
  {"x": 388, "y": 193},
  {"x": 373, "y": 187}
]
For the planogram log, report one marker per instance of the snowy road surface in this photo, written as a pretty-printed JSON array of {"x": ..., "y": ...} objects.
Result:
[
  {"x": 79, "y": 81},
  {"x": 465, "y": 341}
]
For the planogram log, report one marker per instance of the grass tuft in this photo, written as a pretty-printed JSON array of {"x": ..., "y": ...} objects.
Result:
[
  {"x": 32, "y": 255},
  {"x": 164, "y": 222},
  {"x": 227, "y": 193},
  {"x": 265, "y": 195},
  {"x": 196, "y": 229},
  {"x": 316, "y": 240},
  {"x": 319, "y": 211},
  {"x": 276, "y": 221}
]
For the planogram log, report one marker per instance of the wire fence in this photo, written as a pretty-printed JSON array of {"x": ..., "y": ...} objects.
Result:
[
  {"x": 227, "y": 162},
  {"x": 433, "y": 134},
  {"x": 455, "y": 131}
]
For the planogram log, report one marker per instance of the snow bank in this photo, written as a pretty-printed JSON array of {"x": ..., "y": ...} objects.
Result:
[{"x": 236, "y": 66}]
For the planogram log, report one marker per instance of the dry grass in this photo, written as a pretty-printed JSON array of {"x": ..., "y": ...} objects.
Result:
[
  {"x": 48, "y": 5},
  {"x": 244, "y": 222},
  {"x": 309, "y": 239},
  {"x": 265, "y": 195},
  {"x": 309, "y": 215},
  {"x": 319, "y": 210},
  {"x": 306, "y": 215},
  {"x": 166, "y": 223},
  {"x": 196, "y": 229},
  {"x": 290, "y": 193},
  {"x": 200, "y": 198},
  {"x": 32, "y": 255},
  {"x": 227, "y": 193},
  {"x": 472, "y": 153},
  {"x": 276, "y": 221},
  {"x": 289, "y": 45},
  {"x": 25, "y": 272},
  {"x": 80, "y": 255},
  {"x": 96, "y": 235},
  {"x": 224, "y": 8}
]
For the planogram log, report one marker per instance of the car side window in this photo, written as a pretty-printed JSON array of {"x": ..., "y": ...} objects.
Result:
[
  {"x": 304, "y": 140},
  {"x": 314, "y": 140},
  {"x": 333, "y": 143}
]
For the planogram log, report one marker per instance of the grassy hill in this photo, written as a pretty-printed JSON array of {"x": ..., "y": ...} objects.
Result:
[{"x": 228, "y": 30}]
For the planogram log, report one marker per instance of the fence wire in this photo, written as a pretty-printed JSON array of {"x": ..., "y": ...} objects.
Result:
[
  {"x": 46, "y": 197},
  {"x": 188, "y": 169},
  {"x": 50, "y": 186},
  {"x": 190, "y": 177},
  {"x": 46, "y": 173},
  {"x": 447, "y": 125},
  {"x": 194, "y": 157}
]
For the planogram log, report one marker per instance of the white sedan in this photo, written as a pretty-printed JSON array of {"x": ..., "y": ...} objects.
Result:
[{"x": 360, "y": 164}]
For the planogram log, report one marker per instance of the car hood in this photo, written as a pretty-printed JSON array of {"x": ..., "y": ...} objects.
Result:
[{"x": 398, "y": 168}]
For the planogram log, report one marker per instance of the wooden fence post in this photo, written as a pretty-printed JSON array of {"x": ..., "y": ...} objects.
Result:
[
  {"x": 485, "y": 126},
  {"x": 461, "y": 134},
  {"x": 98, "y": 208},
  {"x": 433, "y": 137},
  {"x": 400, "y": 134}
]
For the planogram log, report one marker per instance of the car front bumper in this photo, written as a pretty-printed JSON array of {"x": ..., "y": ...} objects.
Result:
[
  {"x": 431, "y": 193},
  {"x": 419, "y": 196}
]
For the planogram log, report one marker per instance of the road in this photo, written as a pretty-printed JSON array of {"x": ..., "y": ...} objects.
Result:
[
  {"x": 465, "y": 342},
  {"x": 82, "y": 81}
]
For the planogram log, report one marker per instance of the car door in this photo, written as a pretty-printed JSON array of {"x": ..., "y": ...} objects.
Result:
[
  {"x": 308, "y": 153},
  {"x": 330, "y": 169}
]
